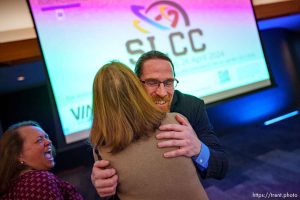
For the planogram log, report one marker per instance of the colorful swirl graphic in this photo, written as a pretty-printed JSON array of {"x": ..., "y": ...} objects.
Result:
[{"x": 167, "y": 10}]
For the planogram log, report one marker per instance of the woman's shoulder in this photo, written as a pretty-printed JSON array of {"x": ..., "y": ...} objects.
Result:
[
  {"x": 38, "y": 175},
  {"x": 41, "y": 177},
  {"x": 35, "y": 184}
]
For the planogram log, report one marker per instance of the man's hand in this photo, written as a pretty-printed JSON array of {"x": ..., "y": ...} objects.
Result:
[
  {"x": 180, "y": 135},
  {"x": 104, "y": 178}
]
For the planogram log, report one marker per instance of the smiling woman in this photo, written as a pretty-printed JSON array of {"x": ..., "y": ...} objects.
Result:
[{"x": 26, "y": 155}]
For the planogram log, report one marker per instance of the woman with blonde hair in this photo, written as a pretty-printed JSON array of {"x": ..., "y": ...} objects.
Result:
[{"x": 125, "y": 122}]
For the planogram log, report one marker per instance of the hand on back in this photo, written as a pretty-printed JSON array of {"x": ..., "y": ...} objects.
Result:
[
  {"x": 180, "y": 135},
  {"x": 104, "y": 178}
]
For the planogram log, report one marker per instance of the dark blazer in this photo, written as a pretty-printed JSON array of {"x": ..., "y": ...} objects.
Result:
[{"x": 194, "y": 110}]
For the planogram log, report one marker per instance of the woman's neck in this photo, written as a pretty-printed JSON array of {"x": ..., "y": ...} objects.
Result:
[{"x": 26, "y": 170}]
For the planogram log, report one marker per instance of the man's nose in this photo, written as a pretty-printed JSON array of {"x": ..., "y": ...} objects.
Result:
[{"x": 161, "y": 90}]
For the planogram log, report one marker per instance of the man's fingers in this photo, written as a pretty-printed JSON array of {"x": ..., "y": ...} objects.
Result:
[
  {"x": 107, "y": 183},
  {"x": 176, "y": 153},
  {"x": 173, "y": 143},
  {"x": 101, "y": 163},
  {"x": 108, "y": 191},
  {"x": 172, "y": 127},
  {"x": 102, "y": 170},
  {"x": 103, "y": 173},
  {"x": 181, "y": 120},
  {"x": 104, "y": 178},
  {"x": 107, "y": 194},
  {"x": 170, "y": 135}
]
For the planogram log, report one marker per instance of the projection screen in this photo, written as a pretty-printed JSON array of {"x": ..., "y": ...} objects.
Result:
[{"x": 214, "y": 44}]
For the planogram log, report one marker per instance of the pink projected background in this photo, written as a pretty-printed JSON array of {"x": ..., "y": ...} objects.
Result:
[{"x": 214, "y": 45}]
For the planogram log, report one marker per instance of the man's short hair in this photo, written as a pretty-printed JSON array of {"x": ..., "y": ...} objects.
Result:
[{"x": 148, "y": 56}]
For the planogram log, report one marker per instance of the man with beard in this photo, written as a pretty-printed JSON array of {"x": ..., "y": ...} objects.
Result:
[{"x": 194, "y": 138}]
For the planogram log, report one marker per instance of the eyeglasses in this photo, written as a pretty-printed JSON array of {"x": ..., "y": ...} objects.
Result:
[{"x": 154, "y": 83}]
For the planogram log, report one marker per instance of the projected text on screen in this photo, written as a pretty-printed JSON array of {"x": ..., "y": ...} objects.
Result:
[{"x": 214, "y": 44}]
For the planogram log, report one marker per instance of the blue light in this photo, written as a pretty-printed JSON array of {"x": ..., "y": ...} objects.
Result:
[
  {"x": 282, "y": 117},
  {"x": 289, "y": 22}
]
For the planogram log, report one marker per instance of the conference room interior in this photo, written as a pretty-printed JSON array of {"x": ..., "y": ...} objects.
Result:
[{"x": 260, "y": 130}]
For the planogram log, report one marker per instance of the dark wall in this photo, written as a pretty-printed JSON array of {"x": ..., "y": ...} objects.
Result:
[
  {"x": 294, "y": 44},
  {"x": 29, "y": 104},
  {"x": 259, "y": 106}
]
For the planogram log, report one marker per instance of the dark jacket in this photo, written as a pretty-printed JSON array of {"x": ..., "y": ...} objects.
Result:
[{"x": 194, "y": 110}]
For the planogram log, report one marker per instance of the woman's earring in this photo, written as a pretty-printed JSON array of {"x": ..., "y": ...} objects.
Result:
[{"x": 22, "y": 162}]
